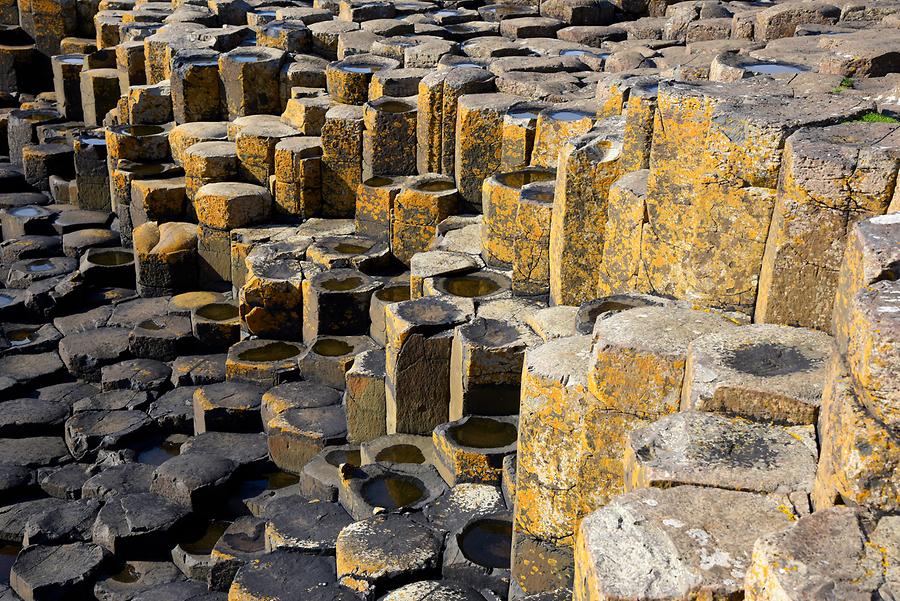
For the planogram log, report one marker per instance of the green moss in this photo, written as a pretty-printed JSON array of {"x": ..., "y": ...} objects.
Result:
[
  {"x": 846, "y": 84},
  {"x": 873, "y": 117}
]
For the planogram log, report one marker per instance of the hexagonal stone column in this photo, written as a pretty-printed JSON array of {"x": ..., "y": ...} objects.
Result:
[
  {"x": 207, "y": 163},
  {"x": 557, "y": 125},
  {"x": 423, "y": 203},
  {"x": 486, "y": 367},
  {"x": 500, "y": 203},
  {"x": 479, "y": 139},
  {"x": 791, "y": 290},
  {"x": 196, "y": 87},
  {"x": 298, "y": 177},
  {"x": 697, "y": 448},
  {"x": 661, "y": 531},
  {"x": 850, "y": 561},
  {"x": 554, "y": 388},
  {"x": 531, "y": 248},
  {"x": 46, "y": 572},
  {"x": 859, "y": 455},
  {"x": 100, "y": 92},
  {"x": 166, "y": 257},
  {"x": 636, "y": 375},
  {"x": 372, "y": 552},
  {"x": 375, "y": 206},
  {"x": 67, "y": 84},
  {"x": 389, "y": 139},
  {"x": 621, "y": 267},
  {"x": 341, "y": 159},
  {"x": 763, "y": 372},
  {"x": 250, "y": 78},
  {"x": 419, "y": 337},
  {"x": 91, "y": 172},
  {"x": 588, "y": 166}
]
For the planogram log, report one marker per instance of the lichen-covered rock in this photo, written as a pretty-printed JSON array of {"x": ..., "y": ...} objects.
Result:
[{"x": 652, "y": 543}]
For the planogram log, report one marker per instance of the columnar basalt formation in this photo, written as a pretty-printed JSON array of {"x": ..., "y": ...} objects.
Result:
[{"x": 535, "y": 300}]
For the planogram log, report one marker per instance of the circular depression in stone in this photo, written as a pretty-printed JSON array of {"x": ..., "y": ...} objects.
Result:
[
  {"x": 768, "y": 359},
  {"x": 40, "y": 266},
  {"x": 483, "y": 433},
  {"x": 378, "y": 181},
  {"x": 273, "y": 351},
  {"x": 438, "y": 185},
  {"x": 393, "y": 294},
  {"x": 360, "y": 68},
  {"x": 22, "y": 336},
  {"x": 341, "y": 284},
  {"x": 339, "y": 456},
  {"x": 111, "y": 258},
  {"x": 517, "y": 179},
  {"x": 218, "y": 312},
  {"x": 332, "y": 347},
  {"x": 247, "y": 56},
  {"x": 203, "y": 545},
  {"x": 392, "y": 106},
  {"x": 127, "y": 575},
  {"x": 141, "y": 131},
  {"x": 487, "y": 542},
  {"x": 25, "y": 212},
  {"x": 470, "y": 286},
  {"x": 570, "y": 115},
  {"x": 348, "y": 248},
  {"x": 401, "y": 453},
  {"x": 773, "y": 68},
  {"x": 393, "y": 491},
  {"x": 151, "y": 324}
]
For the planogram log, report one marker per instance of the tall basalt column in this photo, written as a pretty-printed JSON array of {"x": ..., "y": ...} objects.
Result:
[
  {"x": 860, "y": 409},
  {"x": 479, "y": 141},
  {"x": 638, "y": 134},
  {"x": 531, "y": 248},
  {"x": 714, "y": 166},
  {"x": 389, "y": 139},
  {"x": 500, "y": 203},
  {"x": 554, "y": 388},
  {"x": 67, "y": 84},
  {"x": 588, "y": 166},
  {"x": 557, "y": 125},
  {"x": 21, "y": 129},
  {"x": 130, "y": 62},
  {"x": 341, "y": 159},
  {"x": 298, "y": 177},
  {"x": 831, "y": 178},
  {"x": 256, "y": 150},
  {"x": 621, "y": 267},
  {"x": 91, "y": 172},
  {"x": 348, "y": 80},
  {"x": 423, "y": 203},
  {"x": 459, "y": 81},
  {"x": 519, "y": 129},
  {"x": 100, "y": 91},
  {"x": 250, "y": 78},
  {"x": 48, "y": 22},
  {"x": 196, "y": 86},
  {"x": 417, "y": 383},
  {"x": 430, "y": 102}
]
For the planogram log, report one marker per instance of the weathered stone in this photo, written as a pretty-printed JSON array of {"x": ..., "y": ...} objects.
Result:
[
  {"x": 844, "y": 559},
  {"x": 763, "y": 372},
  {"x": 46, "y": 572},
  {"x": 700, "y": 552},
  {"x": 710, "y": 450},
  {"x": 381, "y": 549}
]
